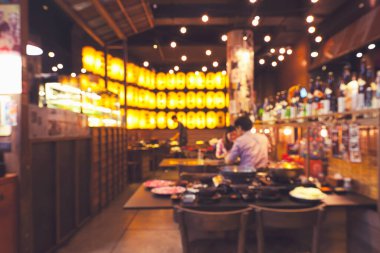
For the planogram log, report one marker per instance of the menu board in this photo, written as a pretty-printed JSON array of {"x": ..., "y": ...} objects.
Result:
[{"x": 10, "y": 48}]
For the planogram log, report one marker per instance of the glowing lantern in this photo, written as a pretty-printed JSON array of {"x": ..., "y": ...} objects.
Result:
[
  {"x": 220, "y": 119},
  {"x": 201, "y": 100},
  {"x": 227, "y": 100},
  {"x": 220, "y": 81},
  {"x": 161, "y": 81},
  {"x": 200, "y": 80},
  {"x": 190, "y": 81},
  {"x": 130, "y": 95},
  {"x": 181, "y": 102},
  {"x": 220, "y": 100},
  {"x": 201, "y": 120},
  {"x": 88, "y": 58},
  {"x": 211, "y": 120},
  {"x": 191, "y": 100},
  {"x": 115, "y": 68},
  {"x": 152, "y": 120},
  {"x": 161, "y": 120},
  {"x": 130, "y": 73},
  {"x": 172, "y": 100},
  {"x": 152, "y": 100},
  {"x": 161, "y": 100},
  {"x": 228, "y": 119},
  {"x": 182, "y": 117},
  {"x": 141, "y": 98},
  {"x": 171, "y": 81},
  {"x": 210, "y": 100},
  {"x": 121, "y": 94},
  {"x": 170, "y": 122},
  {"x": 152, "y": 80},
  {"x": 180, "y": 81},
  {"x": 210, "y": 81},
  {"x": 227, "y": 82},
  {"x": 143, "y": 122},
  {"x": 99, "y": 67},
  {"x": 191, "y": 120},
  {"x": 84, "y": 82}
]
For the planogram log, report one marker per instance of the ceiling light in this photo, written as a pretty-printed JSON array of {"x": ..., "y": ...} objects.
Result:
[
  {"x": 155, "y": 46},
  {"x": 311, "y": 29},
  {"x": 176, "y": 68},
  {"x": 255, "y": 22},
  {"x": 371, "y": 46},
  {"x": 51, "y": 54},
  {"x": 281, "y": 57},
  {"x": 171, "y": 71},
  {"x": 60, "y": 65},
  {"x": 282, "y": 50},
  {"x": 55, "y": 69},
  {"x": 205, "y": 18},
  {"x": 196, "y": 72},
  {"x": 272, "y": 50},
  {"x": 274, "y": 64},
  {"x": 314, "y": 54},
  {"x": 261, "y": 61},
  {"x": 318, "y": 39},
  {"x": 45, "y": 7},
  {"x": 245, "y": 37},
  {"x": 183, "y": 58},
  {"x": 183, "y": 30},
  {"x": 204, "y": 68},
  {"x": 83, "y": 71},
  {"x": 310, "y": 19},
  {"x": 224, "y": 37},
  {"x": 146, "y": 64},
  {"x": 155, "y": 6},
  {"x": 215, "y": 64},
  {"x": 314, "y": 1},
  {"x": 257, "y": 17},
  {"x": 289, "y": 51},
  {"x": 252, "y": 1},
  {"x": 224, "y": 72},
  {"x": 359, "y": 55},
  {"x": 208, "y": 52},
  {"x": 361, "y": 5},
  {"x": 73, "y": 74},
  {"x": 173, "y": 44},
  {"x": 267, "y": 38},
  {"x": 33, "y": 50}
]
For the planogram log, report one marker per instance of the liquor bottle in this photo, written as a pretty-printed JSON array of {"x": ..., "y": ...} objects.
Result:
[
  {"x": 309, "y": 105},
  {"x": 353, "y": 90},
  {"x": 342, "y": 97},
  {"x": 362, "y": 86},
  {"x": 329, "y": 103},
  {"x": 370, "y": 98},
  {"x": 317, "y": 96}
]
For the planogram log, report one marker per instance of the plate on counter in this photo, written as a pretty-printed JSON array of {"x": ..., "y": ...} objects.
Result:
[
  {"x": 308, "y": 194},
  {"x": 156, "y": 183},
  {"x": 168, "y": 190}
]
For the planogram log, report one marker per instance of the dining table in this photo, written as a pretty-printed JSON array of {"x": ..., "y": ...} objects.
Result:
[{"x": 191, "y": 162}]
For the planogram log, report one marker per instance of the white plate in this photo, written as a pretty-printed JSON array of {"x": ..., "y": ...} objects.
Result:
[
  {"x": 307, "y": 193},
  {"x": 169, "y": 190}
]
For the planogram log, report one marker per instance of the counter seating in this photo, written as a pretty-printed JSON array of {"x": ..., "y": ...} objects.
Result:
[
  {"x": 196, "y": 228},
  {"x": 297, "y": 219}
]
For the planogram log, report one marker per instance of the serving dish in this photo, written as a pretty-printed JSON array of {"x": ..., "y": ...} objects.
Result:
[
  {"x": 156, "y": 183},
  {"x": 168, "y": 190},
  {"x": 308, "y": 194}
]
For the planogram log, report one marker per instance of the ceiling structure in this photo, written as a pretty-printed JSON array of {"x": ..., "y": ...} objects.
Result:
[{"x": 144, "y": 23}]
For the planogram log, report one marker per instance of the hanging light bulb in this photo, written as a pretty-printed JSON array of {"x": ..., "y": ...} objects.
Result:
[
  {"x": 318, "y": 39},
  {"x": 146, "y": 64},
  {"x": 289, "y": 51},
  {"x": 215, "y": 64},
  {"x": 274, "y": 64},
  {"x": 282, "y": 50},
  {"x": 310, "y": 19},
  {"x": 314, "y": 54},
  {"x": 183, "y": 58},
  {"x": 173, "y": 44},
  {"x": 281, "y": 57},
  {"x": 183, "y": 30},
  {"x": 224, "y": 37},
  {"x": 261, "y": 61},
  {"x": 204, "y": 18},
  {"x": 267, "y": 38},
  {"x": 311, "y": 29},
  {"x": 208, "y": 52},
  {"x": 204, "y": 68}
]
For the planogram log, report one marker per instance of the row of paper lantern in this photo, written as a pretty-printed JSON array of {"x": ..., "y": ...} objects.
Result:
[
  {"x": 191, "y": 81},
  {"x": 143, "y": 119}
]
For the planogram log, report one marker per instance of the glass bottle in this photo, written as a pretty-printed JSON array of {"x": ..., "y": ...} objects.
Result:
[
  {"x": 370, "y": 98},
  {"x": 362, "y": 86},
  {"x": 317, "y": 96},
  {"x": 342, "y": 97}
]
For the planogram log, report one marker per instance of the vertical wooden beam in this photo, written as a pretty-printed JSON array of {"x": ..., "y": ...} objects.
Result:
[
  {"x": 57, "y": 192},
  {"x": 125, "y": 60},
  {"x": 378, "y": 159},
  {"x": 127, "y": 17}
]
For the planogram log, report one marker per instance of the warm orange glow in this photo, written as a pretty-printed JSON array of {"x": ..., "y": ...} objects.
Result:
[
  {"x": 201, "y": 100},
  {"x": 191, "y": 81},
  {"x": 161, "y": 81},
  {"x": 180, "y": 81},
  {"x": 210, "y": 100},
  {"x": 170, "y": 81},
  {"x": 191, "y": 100},
  {"x": 161, "y": 120},
  {"x": 161, "y": 100},
  {"x": 221, "y": 119},
  {"x": 182, "y": 117},
  {"x": 220, "y": 101},
  {"x": 181, "y": 102},
  {"x": 211, "y": 120},
  {"x": 171, "y": 124},
  {"x": 191, "y": 120},
  {"x": 210, "y": 81},
  {"x": 200, "y": 81},
  {"x": 201, "y": 120},
  {"x": 172, "y": 100}
]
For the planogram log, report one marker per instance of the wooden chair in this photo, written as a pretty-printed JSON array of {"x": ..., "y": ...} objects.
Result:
[
  {"x": 191, "y": 221},
  {"x": 288, "y": 219}
]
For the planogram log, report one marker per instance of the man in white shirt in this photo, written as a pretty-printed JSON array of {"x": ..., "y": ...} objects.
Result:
[{"x": 251, "y": 148}]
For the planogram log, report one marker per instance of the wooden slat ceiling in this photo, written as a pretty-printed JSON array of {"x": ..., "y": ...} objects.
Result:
[{"x": 109, "y": 21}]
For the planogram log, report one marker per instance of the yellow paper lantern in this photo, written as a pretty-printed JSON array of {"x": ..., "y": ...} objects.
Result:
[
  {"x": 161, "y": 81},
  {"x": 191, "y": 100},
  {"x": 171, "y": 124},
  {"x": 191, "y": 120},
  {"x": 172, "y": 100},
  {"x": 99, "y": 67},
  {"x": 180, "y": 81},
  {"x": 211, "y": 120},
  {"x": 121, "y": 94},
  {"x": 161, "y": 100},
  {"x": 181, "y": 102},
  {"x": 131, "y": 78},
  {"x": 161, "y": 120},
  {"x": 227, "y": 100},
  {"x": 220, "y": 119},
  {"x": 210, "y": 100},
  {"x": 190, "y": 81},
  {"x": 152, "y": 120},
  {"x": 152, "y": 80},
  {"x": 220, "y": 100},
  {"x": 143, "y": 120},
  {"x": 152, "y": 100},
  {"x": 201, "y": 120},
  {"x": 141, "y": 98},
  {"x": 228, "y": 123},
  {"x": 171, "y": 81},
  {"x": 200, "y": 80},
  {"x": 220, "y": 81},
  {"x": 201, "y": 100},
  {"x": 210, "y": 81},
  {"x": 130, "y": 95},
  {"x": 182, "y": 117}
]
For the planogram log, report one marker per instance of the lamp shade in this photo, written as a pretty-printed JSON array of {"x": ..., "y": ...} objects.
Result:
[
  {"x": 220, "y": 81},
  {"x": 221, "y": 119},
  {"x": 220, "y": 100},
  {"x": 170, "y": 123},
  {"x": 170, "y": 81},
  {"x": 200, "y": 81},
  {"x": 182, "y": 117}
]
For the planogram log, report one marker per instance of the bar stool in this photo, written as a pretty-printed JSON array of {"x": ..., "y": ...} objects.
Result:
[
  {"x": 288, "y": 219},
  {"x": 195, "y": 223}
]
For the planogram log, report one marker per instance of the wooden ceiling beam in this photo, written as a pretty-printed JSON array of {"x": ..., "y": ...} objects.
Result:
[
  {"x": 197, "y": 21},
  {"x": 126, "y": 15},
  {"x": 148, "y": 14},
  {"x": 78, "y": 20},
  {"x": 107, "y": 17},
  {"x": 182, "y": 2}
]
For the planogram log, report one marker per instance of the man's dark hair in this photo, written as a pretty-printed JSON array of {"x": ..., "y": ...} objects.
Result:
[
  {"x": 244, "y": 122},
  {"x": 174, "y": 117}
]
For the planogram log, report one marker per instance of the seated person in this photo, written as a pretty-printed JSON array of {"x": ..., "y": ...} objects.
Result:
[
  {"x": 252, "y": 149},
  {"x": 225, "y": 144}
]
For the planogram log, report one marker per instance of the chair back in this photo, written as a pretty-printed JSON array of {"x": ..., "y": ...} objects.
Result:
[{"x": 192, "y": 220}]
